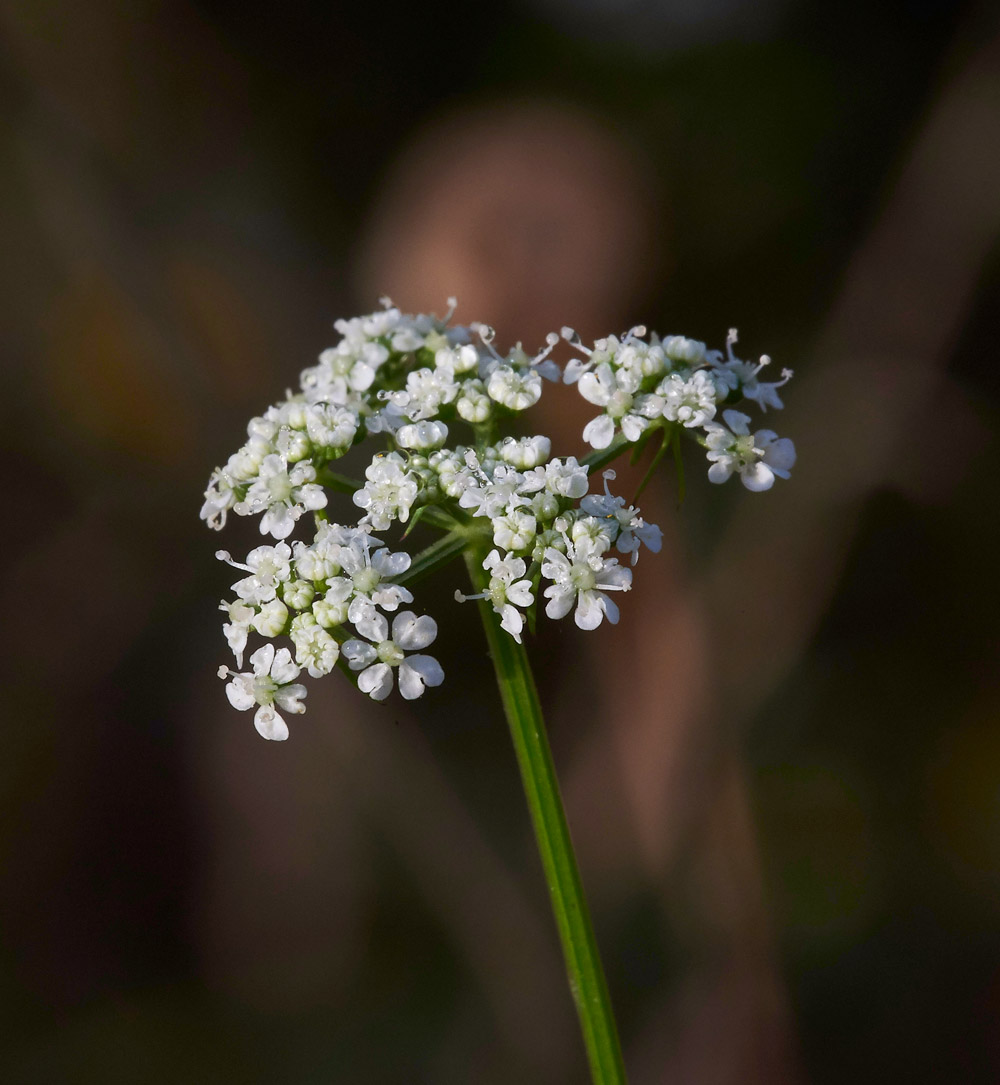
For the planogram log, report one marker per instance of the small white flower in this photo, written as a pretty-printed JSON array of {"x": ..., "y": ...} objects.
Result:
[
  {"x": 582, "y": 575},
  {"x": 459, "y": 359},
  {"x": 515, "y": 389},
  {"x": 366, "y": 583},
  {"x": 330, "y": 612},
  {"x": 331, "y": 427},
  {"x": 691, "y": 400},
  {"x": 271, "y": 619},
  {"x": 615, "y": 391},
  {"x": 320, "y": 560},
  {"x": 299, "y": 594},
  {"x": 422, "y": 435},
  {"x": 758, "y": 458},
  {"x": 527, "y": 453},
  {"x": 237, "y": 628},
  {"x": 268, "y": 685},
  {"x": 735, "y": 374},
  {"x": 426, "y": 391},
  {"x": 515, "y": 531},
  {"x": 507, "y": 591},
  {"x": 628, "y": 527},
  {"x": 282, "y": 495},
  {"x": 388, "y": 493},
  {"x": 473, "y": 404},
  {"x": 315, "y": 649},
  {"x": 268, "y": 566},
  {"x": 561, "y": 477},
  {"x": 492, "y": 497},
  {"x": 376, "y": 660},
  {"x": 689, "y": 352}
]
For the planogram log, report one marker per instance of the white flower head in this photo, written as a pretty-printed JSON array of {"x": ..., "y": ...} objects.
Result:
[
  {"x": 270, "y": 683},
  {"x": 378, "y": 659}
]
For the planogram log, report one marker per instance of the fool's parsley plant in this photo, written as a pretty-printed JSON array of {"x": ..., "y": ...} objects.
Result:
[{"x": 436, "y": 402}]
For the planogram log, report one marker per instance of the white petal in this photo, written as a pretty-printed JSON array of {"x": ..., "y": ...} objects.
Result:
[
  {"x": 240, "y": 692},
  {"x": 589, "y": 612},
  {"x": 390, "y": 564},
  {"x": 520, "y": 592},
  {"x": 283, "y": 669},
  {"x": 757, "y": 477},
  {"x": 417, "y": 672},
  {"x": 262, "y": 659},
  {"x": 737, "y": 421},
  {"x": 599, "y": 431},
  {"x": 596, "y": 387},
  {"x": 720, "y": 471},
  {"x": 560, "y": 601},
  {"x": 633, "y": 426},
  {"x": 779, "y": 453},
  {"x": 376, "y": 681},
  {"x": 361, "y": 612},
  {"x": 269, "y": 724},
  {"x": 374, "y": 627},
  {"x": 615, "y": 577},
  {"x": 277, "y": 522},
  {"x": 358, "y": 653},
  {"x": 513, "y": 621},
  {"x": 290, "y": 698},
  {"x": 411, "y": 632},
  {"x": 610, "y": 609}
]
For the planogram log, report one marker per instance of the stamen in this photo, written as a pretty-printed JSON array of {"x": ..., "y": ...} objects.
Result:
[
  {"x": 731, "y": 338},
  {"x": 574, "y": 340},
  {"x": 460, "y": 598}
]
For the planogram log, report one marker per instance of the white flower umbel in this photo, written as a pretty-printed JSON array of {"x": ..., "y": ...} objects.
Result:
[
  {"x": 407, "y": 386},
  {"x": 377, "y": 660},
  {"x": 270, "y": 683},
  {"x": 758, "y": 458},
  {"x": 582, "y": 576}
]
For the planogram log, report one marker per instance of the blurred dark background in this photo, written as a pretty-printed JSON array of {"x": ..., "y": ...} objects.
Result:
[{"x": 782, "y": 769}]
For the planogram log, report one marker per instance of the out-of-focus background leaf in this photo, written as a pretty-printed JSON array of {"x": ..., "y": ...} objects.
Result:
[{"x": 782, "y": 769}]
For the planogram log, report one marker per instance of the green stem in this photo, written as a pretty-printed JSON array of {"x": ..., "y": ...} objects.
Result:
[{"x": 527, "y": 728}]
